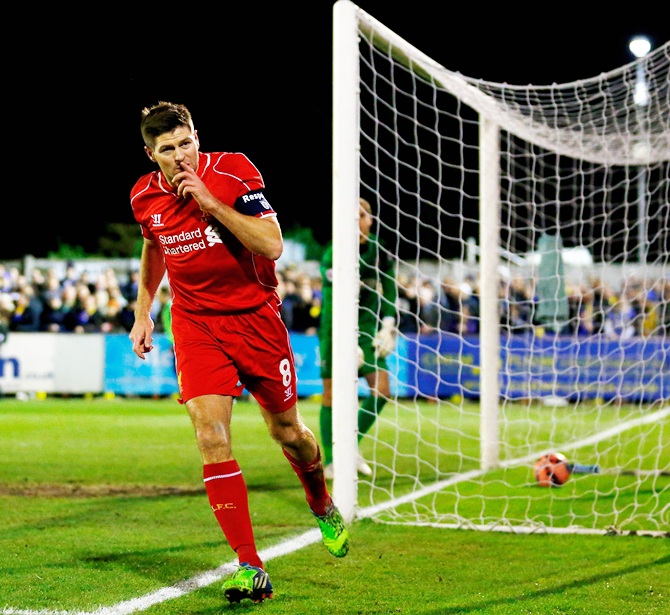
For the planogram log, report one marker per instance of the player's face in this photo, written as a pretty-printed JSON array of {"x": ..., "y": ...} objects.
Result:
[
  {"x": 172, "y": 148},
  {"x": 365, "y": 224}
]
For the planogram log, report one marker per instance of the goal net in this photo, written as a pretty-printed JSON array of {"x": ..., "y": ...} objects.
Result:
[{"x": 529, "y": 227}]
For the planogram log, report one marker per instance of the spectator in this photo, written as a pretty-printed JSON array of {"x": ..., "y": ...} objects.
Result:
[
  {"x": 305, "y": 318},
  {"x": 516, "y": 306},
  {"x": 6, "y": 283},
  {"x": 429, "y": 309},
  {"x": 130, "y": 287},
  {"x": 71, "y": 275},
  {"x": 54, "y": 315},
  {"x": 603, "y": 299},
  {"x": 38, "y": 281},
  {"x": 27, "y": 312},
  {"x": 408, "y": 304},
  {"x": 470, "y": 307},
  {"x": 580, "y": 309},
  {"x": 620, "y": 322},
  {"x": 86, "y": 317},
  {"x": 6, "y": 311},
  {"x": 290, "y": 300},
  {"x": 52, "y": 287},
  {"x": 651, "y": 308},
  {"x": 451, "y": 307},
  {"x": 115, "y": 299},
  {"x": 126, "y": 316}
]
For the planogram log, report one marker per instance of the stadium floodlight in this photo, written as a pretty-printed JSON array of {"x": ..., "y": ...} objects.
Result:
[{"x": 640, "y": 46}]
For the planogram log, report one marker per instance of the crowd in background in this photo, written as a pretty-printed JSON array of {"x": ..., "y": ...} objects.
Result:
[
  {"x": 76, "y": 302},
  {"x": 634, "y": 308}
]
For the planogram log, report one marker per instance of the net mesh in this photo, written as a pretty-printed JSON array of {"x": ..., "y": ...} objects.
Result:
[{"x": 582, "y": 171}]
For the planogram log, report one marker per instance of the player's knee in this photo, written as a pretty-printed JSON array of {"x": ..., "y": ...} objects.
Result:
[
  {"x": 283, "y": 434},
  {"x": 210, "y": 441},
  {"x": 288, "y": 435}
]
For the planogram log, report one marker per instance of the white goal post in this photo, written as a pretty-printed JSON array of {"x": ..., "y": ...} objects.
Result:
[{"x": 530, "y": 227}]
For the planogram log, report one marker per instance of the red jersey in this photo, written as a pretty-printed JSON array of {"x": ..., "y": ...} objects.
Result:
[{"x": 207, "y": 266}]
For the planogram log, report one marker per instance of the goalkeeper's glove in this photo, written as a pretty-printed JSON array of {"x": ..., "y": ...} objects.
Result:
[
  {"x": 384, "y": 341},
  {"x": 361, "y": 357}
]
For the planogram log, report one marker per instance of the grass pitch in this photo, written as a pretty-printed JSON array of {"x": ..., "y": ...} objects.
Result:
[{"x": 103, "y": 511}]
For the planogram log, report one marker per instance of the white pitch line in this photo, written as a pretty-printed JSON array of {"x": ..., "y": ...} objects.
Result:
[{"x": 182, "y": 588}]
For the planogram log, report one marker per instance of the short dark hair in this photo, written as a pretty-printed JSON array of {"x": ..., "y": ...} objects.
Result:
[{"x": 161, "y": 118}]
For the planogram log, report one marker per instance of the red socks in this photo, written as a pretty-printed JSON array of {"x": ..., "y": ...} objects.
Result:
[
  {"x": 228, "y": 497},
  {"x": 313, "y": 482}
]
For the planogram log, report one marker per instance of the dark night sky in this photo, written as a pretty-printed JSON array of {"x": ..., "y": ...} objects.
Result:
[{"x": 257, "y": 80}]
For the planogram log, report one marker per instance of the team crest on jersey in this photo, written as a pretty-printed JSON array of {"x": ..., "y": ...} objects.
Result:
[{"x": 213, "y": 235}]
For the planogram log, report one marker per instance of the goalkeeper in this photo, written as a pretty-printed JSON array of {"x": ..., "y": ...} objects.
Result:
[{"x": 377, "y": 303}]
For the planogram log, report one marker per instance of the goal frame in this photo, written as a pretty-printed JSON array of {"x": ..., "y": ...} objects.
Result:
[{"x": 351, "y": 26}]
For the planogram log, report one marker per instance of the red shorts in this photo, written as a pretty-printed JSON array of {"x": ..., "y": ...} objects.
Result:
[{"x": 225, "y": 353}]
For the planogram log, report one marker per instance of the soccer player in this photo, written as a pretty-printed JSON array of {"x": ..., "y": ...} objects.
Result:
[
  {"x": 206, "y": 222},
  {"x": 377, "y": 300}
]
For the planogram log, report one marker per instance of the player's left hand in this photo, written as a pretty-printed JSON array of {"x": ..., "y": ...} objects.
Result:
[{"x": 384, "y": 341}]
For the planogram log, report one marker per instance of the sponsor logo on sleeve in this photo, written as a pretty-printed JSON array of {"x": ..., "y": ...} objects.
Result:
[{"x": 256, "y": 196}]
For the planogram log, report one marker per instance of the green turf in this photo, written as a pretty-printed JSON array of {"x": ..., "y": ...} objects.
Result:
[{"x": 101, "y": 501}]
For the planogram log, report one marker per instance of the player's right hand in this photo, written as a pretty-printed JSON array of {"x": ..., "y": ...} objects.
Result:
[{"x": 141, "y": 335}]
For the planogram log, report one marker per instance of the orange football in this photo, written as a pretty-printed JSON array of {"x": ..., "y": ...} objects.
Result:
[{"x": 552, "y": 470}]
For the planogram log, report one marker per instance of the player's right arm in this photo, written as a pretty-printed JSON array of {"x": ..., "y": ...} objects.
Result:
[{"x": 152, "y": 270}]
